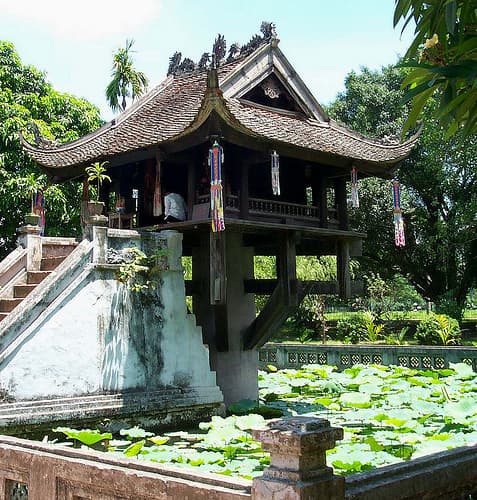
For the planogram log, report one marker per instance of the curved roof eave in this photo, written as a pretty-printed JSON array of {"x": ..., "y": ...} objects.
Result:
[{"x": 162, "y": 117}]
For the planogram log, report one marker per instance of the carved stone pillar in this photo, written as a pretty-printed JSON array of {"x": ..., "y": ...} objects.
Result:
[
  {"x": 99, "y": 230},
  {"x": 30, "y": 239},
  {"x": 298, "y": 469}
]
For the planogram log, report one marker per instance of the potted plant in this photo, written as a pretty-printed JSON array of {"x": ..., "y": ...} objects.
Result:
[{"x": 97, "y": 173}]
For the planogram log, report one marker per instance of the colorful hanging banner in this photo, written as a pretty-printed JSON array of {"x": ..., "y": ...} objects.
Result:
[
  {"x": 275, "y": 164},
  {"x": 399, "y": 237},
  {"x": 216, "y": 157},
  {"x": 39, "y": 208},
  {"x": 354, "y": 188}
]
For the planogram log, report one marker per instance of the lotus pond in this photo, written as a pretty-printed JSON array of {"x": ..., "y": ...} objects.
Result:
[{"x": 389, "y": 414}]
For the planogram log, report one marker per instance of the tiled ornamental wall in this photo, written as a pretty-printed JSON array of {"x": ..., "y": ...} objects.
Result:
[{"x": 344, "y": 356}]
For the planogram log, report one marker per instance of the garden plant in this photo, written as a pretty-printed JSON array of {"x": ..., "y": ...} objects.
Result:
[{"x": 389, "y": 414}]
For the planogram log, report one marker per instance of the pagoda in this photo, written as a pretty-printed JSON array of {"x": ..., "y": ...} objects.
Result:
[{"x": 263, "y": 171}]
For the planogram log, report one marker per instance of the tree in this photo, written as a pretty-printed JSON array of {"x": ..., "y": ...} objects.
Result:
[
  {"x": 126, "y": 82},
  {"x": 439, "y": 195},
  {"x": 26, "y": 97},
  {"x": 444, "y": 57}
]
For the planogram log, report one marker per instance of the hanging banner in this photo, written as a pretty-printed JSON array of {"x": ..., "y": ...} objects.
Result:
[
  {"x": 399, "y": 237},
  {"x": 39, "y": 209},
  {"x": 275, "y": 164},
  {"x": 216, "y": 157},
  {"x": 354, "y": 188}
]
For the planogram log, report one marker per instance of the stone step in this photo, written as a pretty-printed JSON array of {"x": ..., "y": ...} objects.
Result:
[
  {"x": 51, "y": 263},
  {"x": 56, "y": 250},
  {"x": 35, "y": 277},
  {"x": 7, "y": 305},
  {"x": 98, "y": 400},
  {"x": 21, "y": 291},
  {"x": 3, "y": 316}
]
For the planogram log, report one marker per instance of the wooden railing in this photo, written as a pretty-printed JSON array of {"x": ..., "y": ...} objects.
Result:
[{"x": 274, "y": 208}]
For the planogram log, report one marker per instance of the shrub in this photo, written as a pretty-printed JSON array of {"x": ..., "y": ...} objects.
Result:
[
  {"x": 438, "y": 329},
  {"x": 352, "y": 329}
]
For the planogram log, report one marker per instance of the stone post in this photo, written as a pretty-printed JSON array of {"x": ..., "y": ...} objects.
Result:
[
  {"x": 98, "y": 227},
  {"x": 31, "y": 240},
  {"x": 298, "y": 469}
]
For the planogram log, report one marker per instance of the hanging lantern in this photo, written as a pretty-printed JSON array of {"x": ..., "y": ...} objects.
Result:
[
  {"x": 354, "y": 188},
  {"x": 399, "y": 238},
  {"x": 275, "y": 164},
  {"x": 216, "y": 157}
]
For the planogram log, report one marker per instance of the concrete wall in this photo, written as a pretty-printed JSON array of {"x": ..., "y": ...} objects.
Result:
[
  {"x": 99, "y": 336},
  {"x": 345, "y": 356}
]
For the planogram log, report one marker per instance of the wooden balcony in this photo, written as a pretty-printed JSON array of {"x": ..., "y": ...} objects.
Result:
[{"x": 275, "y": 211}]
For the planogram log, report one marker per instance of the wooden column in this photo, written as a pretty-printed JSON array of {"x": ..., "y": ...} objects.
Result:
[
  {"x": 286, "y": 267},
  {"x": 319, "y": 186},
  {"x": 218, "y": 271},
  {"x": 244, "y": 194},
  {"x": 342, "y": 263},
  {"x": 341, "y": 204},
  {"x": 191, "y": 183}
]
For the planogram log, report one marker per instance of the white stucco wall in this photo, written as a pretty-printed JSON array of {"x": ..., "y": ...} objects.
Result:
[{"x": 99, "y": 336}]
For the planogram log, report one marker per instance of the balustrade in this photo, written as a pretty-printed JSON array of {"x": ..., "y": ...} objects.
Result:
[{"x": 259, "y": 207}]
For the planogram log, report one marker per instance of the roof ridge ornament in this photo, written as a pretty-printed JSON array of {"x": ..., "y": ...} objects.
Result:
[
  {"x": 40, "y": 141},
  {"x": 268, "y": 35}
]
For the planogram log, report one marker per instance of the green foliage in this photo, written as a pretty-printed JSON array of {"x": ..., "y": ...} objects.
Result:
[
  {"x": 398, "y": 337},
  {"x": 249, "y": 406},
  {"x": 352, "y": 329},
  {"x": 87, "y": 437},
  {"x": 438, "y": 329},
  {"x": 389, "y": 414},
  {"x": 25, "y": 97},
  {"x": 135, "y": 433},
  {"x": 439, "y": 196},
  {"x": 371, "y": 103},
  {"x": 373, "y": 329},
  {"x": 443, "y": 58},
  {"x": 139, "y": 270},
  {"x": 126, "y": 82},
  {"x": 97, "y": 173}
]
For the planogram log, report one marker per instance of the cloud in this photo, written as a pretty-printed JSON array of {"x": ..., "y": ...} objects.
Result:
[{"x": 87, "y": 19}]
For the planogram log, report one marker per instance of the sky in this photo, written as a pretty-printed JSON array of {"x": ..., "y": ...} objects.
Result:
[{"x": 73, "y": 41}]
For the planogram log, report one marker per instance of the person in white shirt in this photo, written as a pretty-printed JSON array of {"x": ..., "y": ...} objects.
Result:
[{"x": 175, "y": 208}]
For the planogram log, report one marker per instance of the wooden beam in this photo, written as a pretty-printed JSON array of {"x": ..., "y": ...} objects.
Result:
[
  {"x": 191, "y": 182},
  {"x": 286, "y": 267},
  {"x": 320, "y": 200},
  {"x": 218, "y": 271},
  {"x": 283, "y": 300},
  {"x": 342, "y": 268},
  {"x": 192, "y": 287},
  {"x": 221, "y": 327},
  {"x": 272, "y": 316},
  {"x": 341, "y": 202},
  {"x": 267, "y": 286}
]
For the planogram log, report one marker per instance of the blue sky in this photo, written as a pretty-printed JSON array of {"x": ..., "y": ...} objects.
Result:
[{"x": 73, "y": 42}]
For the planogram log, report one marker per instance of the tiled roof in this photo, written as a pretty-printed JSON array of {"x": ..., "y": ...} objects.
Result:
[
  {"x": 163, "y": 113},
  {"x": 327, "y": 137},
  {"x": 172, "y": 107}
]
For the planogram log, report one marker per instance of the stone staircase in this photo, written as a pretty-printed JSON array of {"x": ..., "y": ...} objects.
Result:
[{"x": 53, "y": 254}]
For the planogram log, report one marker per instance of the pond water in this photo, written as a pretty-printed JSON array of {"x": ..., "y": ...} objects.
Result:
[{"x": 389, "y": 414}]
